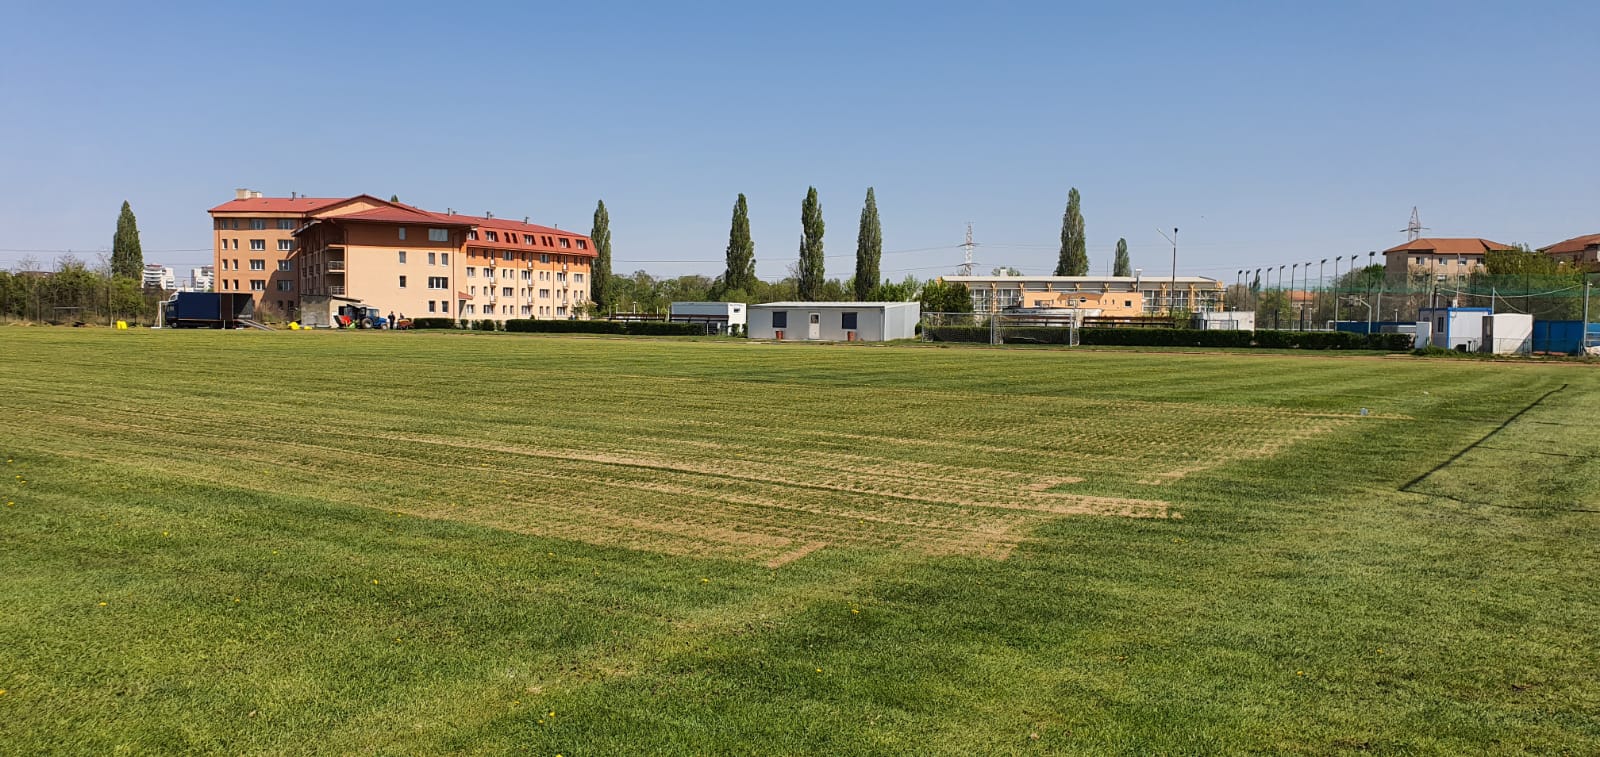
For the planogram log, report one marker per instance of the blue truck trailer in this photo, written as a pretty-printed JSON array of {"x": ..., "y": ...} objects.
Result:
[{"x": 209, "y": 310}]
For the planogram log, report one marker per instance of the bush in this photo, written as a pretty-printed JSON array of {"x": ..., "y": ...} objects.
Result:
[
  {"x": 1143, "y": 337},
  {"x": 432, "y": 323},
  {"x": 484, "y": 324},
  {"x": 633, "y": 328}
]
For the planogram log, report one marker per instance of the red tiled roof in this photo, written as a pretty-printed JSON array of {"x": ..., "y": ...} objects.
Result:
[
  {"x": 276, "y": 205},
  {"x": 1575, "y": 244},
  {"x": 1450, "y": 246},
  {"x": 399, "y": 215}
]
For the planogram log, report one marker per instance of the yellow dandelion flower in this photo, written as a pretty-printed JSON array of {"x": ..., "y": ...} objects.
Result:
[
  {"x": 552, "y": 713},
  {"x": 705, "y": 580},
  {"x": 102, "y": 604},
  {"x": 374, "y": 581},
  {"x": 3, "y": 691},
  {"x": 819, "y": 670},
  {"x": 854, "y": 611}
]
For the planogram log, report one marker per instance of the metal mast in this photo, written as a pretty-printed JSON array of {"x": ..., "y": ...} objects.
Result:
[
  {"x": 966, "y": 249},
  {"x": 1414, "y": 229}
]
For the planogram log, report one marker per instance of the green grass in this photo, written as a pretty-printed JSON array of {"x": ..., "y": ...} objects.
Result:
[{"x": 421, "y": 543}]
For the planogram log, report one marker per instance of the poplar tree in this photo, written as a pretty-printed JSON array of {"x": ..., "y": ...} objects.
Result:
[
  {"x": 741, "y": 254},
  {"x": 1123, "y": 266},
  {"x": 869, "y": 249},
  {"x": 127, "y": 257},
  {"x": 1074, "y": 260},
  {"x": 600, "y": 235},
  {"x": 810, "y": 270}
]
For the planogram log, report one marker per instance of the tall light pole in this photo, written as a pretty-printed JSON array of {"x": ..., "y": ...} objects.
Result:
[
  {"x": 1322, "y": 290},
  {"x": 1372, "y": 255},
  {"x": 1293, "y": 269},
  {"x": 1336, "y": 290},
  {"x": 1172, "y": 289}
]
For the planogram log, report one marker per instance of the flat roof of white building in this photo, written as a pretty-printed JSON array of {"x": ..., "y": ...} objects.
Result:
[{"x": 857, "y": 305}]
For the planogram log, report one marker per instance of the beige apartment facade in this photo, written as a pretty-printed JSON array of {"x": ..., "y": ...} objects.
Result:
[
  {"x": 1111, "y": 296},
  {"x": 417, "y": 263}
]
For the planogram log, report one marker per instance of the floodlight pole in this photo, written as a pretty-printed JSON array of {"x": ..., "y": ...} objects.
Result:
[
  {"x": 1172, "y": 289},
  {"x": 1336, "y": 290},
  {"x": 1583, "y": 336}
]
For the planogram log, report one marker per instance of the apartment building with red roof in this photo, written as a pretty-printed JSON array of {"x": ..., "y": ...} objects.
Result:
[
  {"x": 1582, "y": 252},
  {"x": 1442, "y": 257},
  {"x": 289, "y": 252}
]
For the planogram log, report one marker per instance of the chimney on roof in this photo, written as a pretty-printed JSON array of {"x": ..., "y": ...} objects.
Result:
[
  {"x": 255, "y": 195},
  {"x": 449, "y": 211},
  {"x": 487, "y": 214},
  {"x": 292, "y": 195},
  {"x": 525, "y": 219},
  {"x": 241, "y": 193}
]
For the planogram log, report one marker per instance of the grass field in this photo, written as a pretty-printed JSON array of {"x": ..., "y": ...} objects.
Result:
[{"x": 422, "y": 543}]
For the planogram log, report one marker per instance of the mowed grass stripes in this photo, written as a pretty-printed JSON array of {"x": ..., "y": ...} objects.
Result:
[{"x": 412, "y": 543}]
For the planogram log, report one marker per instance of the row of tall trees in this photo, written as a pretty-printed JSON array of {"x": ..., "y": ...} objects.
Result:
[
  {"x": 1074, "y": 257},
  {"x": 738, "y": 281}
]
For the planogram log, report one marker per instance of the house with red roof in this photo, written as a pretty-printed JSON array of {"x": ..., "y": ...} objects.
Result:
[{"x": 398, "y": 258}]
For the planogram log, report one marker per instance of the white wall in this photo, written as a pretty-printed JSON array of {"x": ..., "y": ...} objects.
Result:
[{"x": 874, "y": 323}]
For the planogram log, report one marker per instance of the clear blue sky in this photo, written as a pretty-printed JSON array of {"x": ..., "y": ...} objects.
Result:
[{"x": 1269, "y": 132}]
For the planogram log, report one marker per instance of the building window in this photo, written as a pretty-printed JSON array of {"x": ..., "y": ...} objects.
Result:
[
  {"x": 258, "y": 285},
  {"x": 526, "y": 274},
  {"x": 285, "y": 285},
  {"x": 258, "y": 265},
  {"x": 444, "y": 258},
  {"x": 402, "y": 254},
  {"x": 544, "y": 257},
  {"x": 432, "y": 258},
  {"x": 432, "y": 307},
  {"x": 286, "y": 265},
  {"x": 780, "y": 319},
  {"x": 561, "y": 276},
  {"x": 472, "y": 272},
  {"x": 438, "y": 282},
  {"x": 285, "y": 224},
  {"x": 544, "y": 294},
  {"x": 527, "y": 239},
  {"x": 582, "y": 245},
  {"x": 472, "y": 234},
  {"x": 505, "y": 291},
  {"x": 506, "y": 254},
  {"x": 471, "y": 308},
  {"x": 493, "y": 236},
  {"x": 402, "y": 231},
  {"x": 847, "y": 321},
  {"x": 566, "y": 242},
  {"x": 285, "y": 245},
  {"x": 577, "y": 278},
  {"x": 258, "y": 244},
  {"x": 258, "y": 224},
  {"x": 438, "y": 235},
  {"x": 402, "y": 282}
]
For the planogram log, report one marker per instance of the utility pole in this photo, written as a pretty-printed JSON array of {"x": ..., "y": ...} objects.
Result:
[{"x": 966, "y": 248}]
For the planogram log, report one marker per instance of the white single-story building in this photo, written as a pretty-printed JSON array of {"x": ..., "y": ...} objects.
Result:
[
  {"x": 1456, "y": 328},
  {"x": 1508, "y": 333},
  {"x": 717, "y": 316},
  {"x": 835, "y": 321}
]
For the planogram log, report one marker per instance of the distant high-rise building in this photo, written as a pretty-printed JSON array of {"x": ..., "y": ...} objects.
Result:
[
  {"x": 157, "y": 276},
  {"x": 201, "y": 279}
]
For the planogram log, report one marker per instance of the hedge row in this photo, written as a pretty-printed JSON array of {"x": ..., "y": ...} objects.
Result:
[
  {"x": 1306, "y": 340},
  {"x": 433, "y": 323},
  {"x": 632, "y": 328}
]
